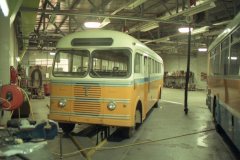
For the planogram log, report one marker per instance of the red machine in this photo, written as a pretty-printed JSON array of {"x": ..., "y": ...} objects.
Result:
[{"x": 12, "y": 97}]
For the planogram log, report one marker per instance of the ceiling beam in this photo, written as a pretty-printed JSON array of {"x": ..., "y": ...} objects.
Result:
[
  {"x": 73, "y": 5},
  {"x": 166, "y": 7},
  {"x": 77, "y": 13},
  {"x": 42, "y": 16}
]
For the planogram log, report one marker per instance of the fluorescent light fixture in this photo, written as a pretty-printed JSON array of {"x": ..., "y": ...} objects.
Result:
[
  {"x": 200, "y": 30},
  {"x": 4, "y": 6},
  {"x": 18, "y": 59},
  {"x": 222, "y": 23},
  {"x": 184, "y": 29},
  {"x": 135, "y": 4},
  {"x": 92, "y": 24},
  {"x": 52, "y": 53},
  {"x": 148, "y": 26},
  {"x": 233, "y": 58},
  {"x": 202, "y": 49},
  {"x": 200, "y": 8}
]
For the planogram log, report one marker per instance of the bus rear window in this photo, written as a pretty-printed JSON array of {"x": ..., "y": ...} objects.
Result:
[
  {"x": 72, "y": 63},
  {"x": 92, "y": 42},
  {"x": 110, "y": 63}
]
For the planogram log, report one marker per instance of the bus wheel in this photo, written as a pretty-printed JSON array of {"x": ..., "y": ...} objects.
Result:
[
  {"x": 156, "y": 105},
  {"x": 217, "y": 126},
  {"x": 67, "y": 127},
  {"x": 128, "y": 132}
]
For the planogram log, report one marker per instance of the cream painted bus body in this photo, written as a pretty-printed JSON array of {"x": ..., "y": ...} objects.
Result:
[{"x": 87, "y": 97}]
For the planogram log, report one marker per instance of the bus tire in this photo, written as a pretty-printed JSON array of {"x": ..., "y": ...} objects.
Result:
[
  {"x": 138, "y": 117},
  {"x": 214, "y": 110},
  {"x": 156, "y": 105},
  {"x": 67, "y": 127},
  {"x": 217, "y": 126},
  {"x": 160, "y": 93},
  {"x": 128, "y": 132}
]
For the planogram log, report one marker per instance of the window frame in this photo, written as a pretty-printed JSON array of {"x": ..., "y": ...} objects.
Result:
[
  {"x": 70, "y": 74},
  {"x": 129, "y": 71}
]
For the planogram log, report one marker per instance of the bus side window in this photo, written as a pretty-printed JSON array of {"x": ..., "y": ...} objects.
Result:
[
  {"x": 149, "y": 66},
  {"x": 137, "y": 63},
  {"x": 145, "y": 65},
  {"x": 235, "y": 59},
  {"x": 224, "y": 57},
  {"x": 216, "y": 61},
  {"x": 160, "y": 67}
]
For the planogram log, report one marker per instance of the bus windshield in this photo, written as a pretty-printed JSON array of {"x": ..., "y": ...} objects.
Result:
[
  {"x": 72, "y": 63},
  {"x": 110, "y": 63}
]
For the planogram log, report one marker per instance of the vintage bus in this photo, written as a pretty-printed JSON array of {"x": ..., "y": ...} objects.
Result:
[
  {"x": 105, "y": 78},
  {"x": 223, "y": 97}
]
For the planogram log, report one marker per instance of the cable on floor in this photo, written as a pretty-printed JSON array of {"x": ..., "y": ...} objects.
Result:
[{"x": 133, "y": 144}]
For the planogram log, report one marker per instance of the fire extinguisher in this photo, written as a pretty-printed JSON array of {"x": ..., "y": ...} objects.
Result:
[{"x": 13, "y": 75}]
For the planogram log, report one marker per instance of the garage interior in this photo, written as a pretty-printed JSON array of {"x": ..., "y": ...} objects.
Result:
[{"x": 29, "y": 33}]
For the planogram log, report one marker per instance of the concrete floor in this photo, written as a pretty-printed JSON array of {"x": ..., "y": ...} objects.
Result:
[{"x": 169, "y": 133}]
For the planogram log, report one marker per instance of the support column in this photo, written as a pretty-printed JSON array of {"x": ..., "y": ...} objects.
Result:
[
  {"x": 7, "y": 48},
  {"x": 4, "y": 50}
]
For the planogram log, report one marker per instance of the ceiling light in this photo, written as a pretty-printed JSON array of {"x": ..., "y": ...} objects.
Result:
[
  {"x": 202, "y": 49},
  {"x": 184, "y": 29},
  {"x": 18, "y": 59},
  {"x": 4, "y": 6},
  {"x": 233, "y": 58},
  {"x": 200, "y": 30},
  {"x": 222, "y": 23},
  {"x": 135, "y": 4},
  {"x": 52, "y": 53},
  {"x": 92, "y": 23}
]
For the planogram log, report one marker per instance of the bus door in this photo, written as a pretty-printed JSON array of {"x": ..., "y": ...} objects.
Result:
[{"x": 147, "y": 82}]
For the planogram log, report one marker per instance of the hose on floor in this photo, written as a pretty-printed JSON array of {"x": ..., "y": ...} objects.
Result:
[{"x": 132, "y": 144}]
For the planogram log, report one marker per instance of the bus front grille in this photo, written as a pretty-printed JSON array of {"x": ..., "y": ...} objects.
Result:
[
  {"x": 87, "y": 91},
  {"x": 86, "y": 107},
  {"x": 87, "y": 99}
]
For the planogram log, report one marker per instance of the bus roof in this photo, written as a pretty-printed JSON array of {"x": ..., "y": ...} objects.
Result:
[
  {"x": 120, "y": 39},
  {"x": 231, "y": 26}
]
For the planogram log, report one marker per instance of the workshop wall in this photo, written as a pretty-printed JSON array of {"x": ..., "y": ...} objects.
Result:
[
  {"x": 198, "y": 65},
  {"x": 40, "y": 58}
]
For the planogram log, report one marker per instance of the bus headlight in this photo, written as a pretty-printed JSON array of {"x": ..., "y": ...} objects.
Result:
[
  {"x": 62, "y": 102},
  {"x": 111, "y": 106}
]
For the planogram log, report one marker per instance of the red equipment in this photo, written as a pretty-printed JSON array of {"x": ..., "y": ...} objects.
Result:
[
  {"x": 46, "y": 89},
  {"x": 13, "y": 75},
  {"x": 13, "y": 94}
]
